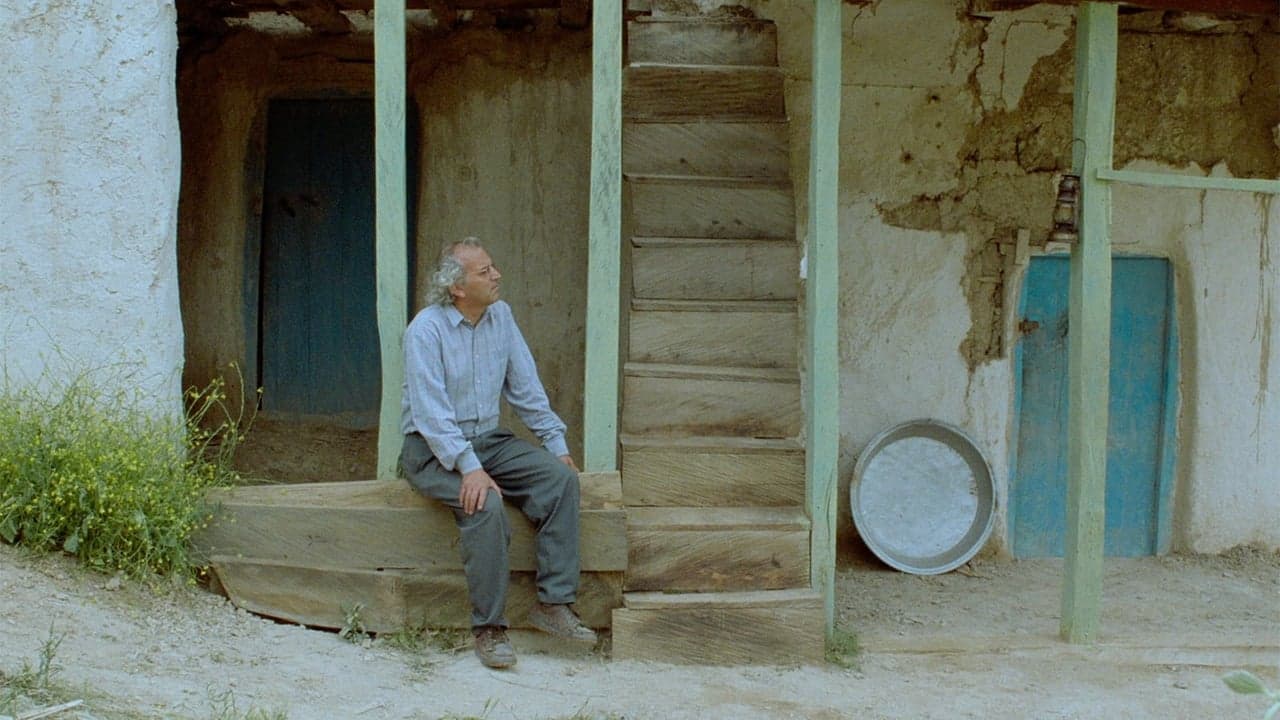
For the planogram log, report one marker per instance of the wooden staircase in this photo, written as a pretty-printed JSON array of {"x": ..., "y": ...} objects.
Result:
[{"x": 713, "y": 472}]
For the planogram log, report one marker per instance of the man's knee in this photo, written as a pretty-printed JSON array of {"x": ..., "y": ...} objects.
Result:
[
  {"x": 490, "y": 515},
  {"x": 566, "y": 482}
]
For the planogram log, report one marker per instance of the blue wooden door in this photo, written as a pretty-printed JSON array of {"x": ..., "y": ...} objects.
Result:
[
  {"x": 318, "y": 317},
  {"x": 1136, "y": 452}
]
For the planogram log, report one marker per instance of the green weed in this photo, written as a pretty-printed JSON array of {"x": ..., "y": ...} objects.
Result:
[
  {"x": 1246, "y": 683},
  {"x": 353, "y": 629},
  {"x": 100, "y": 476},
  {"x": 843, "y": 648},
  {"x": 225, "y": 707},
  {"x": 32, "y": 682}
]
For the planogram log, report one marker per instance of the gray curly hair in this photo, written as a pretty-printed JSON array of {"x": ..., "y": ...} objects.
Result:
[{"x": 448, "y": 272}]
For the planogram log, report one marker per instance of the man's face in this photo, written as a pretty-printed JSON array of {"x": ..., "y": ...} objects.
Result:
[{"x": 478, "y": 287}]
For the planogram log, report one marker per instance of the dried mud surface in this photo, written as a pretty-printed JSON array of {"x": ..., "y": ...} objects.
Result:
[{"x": 972, "y": 644}]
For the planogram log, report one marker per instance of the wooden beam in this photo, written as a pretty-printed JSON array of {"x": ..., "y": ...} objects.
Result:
[
  {"x": 1089, "y": 319},
  {"x": 391, "y": 600},
  {"x": 604, "y": 260},
  {"x": 320, "y": 16},
  {"x": 575, "y": 14},
  {"x": 390, "y": 222},
  {"x": 822, "y": 357},
  {"x": 1190, "y": 182},
  {"x": 1261, "y": 8},
  {"x": 374, "y": 525}
]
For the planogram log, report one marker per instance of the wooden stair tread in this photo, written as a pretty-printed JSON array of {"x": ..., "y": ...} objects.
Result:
[
  {"x": 729, "y": 149},
  {"x": 710, "y": 471},
  {"x": 780, "y": 182},
  {"x": 711, "y": 443},
  {"x": 716, "y": 519},
  {"x": 392, "y": 599},
  {"x": 398, "y": 531},
  {"x": 739, "y": 635},
  {"x": 714, "y": 306},
  {"x": 650, "y": 241},
  {"x": 696, "y": 19},
  {"x": 708, "y": 120},
  {"x": 697, "y": 68},
  {"x": 699, "y": 372},
  {"x": 679, "y": 91},
  {"x": 797, "y": 597},
  {"x": 596, "y": 490}
]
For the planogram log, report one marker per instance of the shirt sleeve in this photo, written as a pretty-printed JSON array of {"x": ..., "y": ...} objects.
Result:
[
  {"x": 431, "y": 410},
  {"x": 524, "y": 392}
]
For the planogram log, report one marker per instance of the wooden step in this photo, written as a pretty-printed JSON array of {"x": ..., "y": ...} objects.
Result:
[
  {"x": 773, "y": 627},
  {"x": 692, "y": 400},
  {"x": 705, "y": 42},
  {"x": 698, "y": 549},
  {"x": 379, "y": 525},
  {"x": 761, "y": 333},
  {"x": 392, "y": 600},
  {"x": 741, "y": 149},
  {"x": 712, "y": 471},
  {"x": 707, "y": 269},
  {"x": 676, "y": 208},
  {"x": 673, "y": 91}
]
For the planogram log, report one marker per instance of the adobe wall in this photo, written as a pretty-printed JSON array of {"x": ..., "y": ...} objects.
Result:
[
  {"x": 504, "y": 121},
  {"x": 90, "y": 172},
  {"x": 953, "y": 129}
]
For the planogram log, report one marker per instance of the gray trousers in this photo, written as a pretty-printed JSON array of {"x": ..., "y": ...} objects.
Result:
[{"x": 539, "y": 484}]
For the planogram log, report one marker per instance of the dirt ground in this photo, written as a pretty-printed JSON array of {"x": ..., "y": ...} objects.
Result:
[
  {"x": 291, "y": 452},
  {"x": 976, "y": 643}
]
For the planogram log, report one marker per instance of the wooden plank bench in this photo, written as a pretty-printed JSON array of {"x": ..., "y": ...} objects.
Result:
[{"x": 303, "y": 552}]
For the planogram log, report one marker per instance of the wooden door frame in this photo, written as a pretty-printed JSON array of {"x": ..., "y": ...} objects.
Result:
[
  {"x": 1166, "y": 478},
  {"x": 255, "y": 177}
]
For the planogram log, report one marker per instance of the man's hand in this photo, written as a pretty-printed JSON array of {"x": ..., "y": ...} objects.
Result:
[
  {"x": 475, "y": 486},
  {"x": 568, "y": 460}
]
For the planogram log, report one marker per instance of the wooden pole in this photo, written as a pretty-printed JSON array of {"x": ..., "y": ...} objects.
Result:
[
  {"x": 1190, "y": 182},
  {"x": 822, "y": 360},
  {"x": 1089, "y": 322},
  {"x": 390, "y": 221},
  {"x": 604, "y": 262}
]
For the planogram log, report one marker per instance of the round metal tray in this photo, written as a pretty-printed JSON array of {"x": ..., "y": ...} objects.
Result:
[{"x": 922, "y": 497}]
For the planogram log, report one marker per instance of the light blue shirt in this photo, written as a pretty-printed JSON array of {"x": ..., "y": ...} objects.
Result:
[{"x": 454, "y": 375}]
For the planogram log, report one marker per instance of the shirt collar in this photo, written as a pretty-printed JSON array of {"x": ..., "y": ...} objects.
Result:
[{"x": 455, "y": 317}]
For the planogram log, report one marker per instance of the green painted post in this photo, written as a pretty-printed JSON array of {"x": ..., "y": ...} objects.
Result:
[
  {"x": 604, "y": 262},
  {"x": 1190, "y": 182},
  {"x": 390, "y": 220},
  {"x": 822, "y": 359},
  {"x": 1089, "y": 319}
]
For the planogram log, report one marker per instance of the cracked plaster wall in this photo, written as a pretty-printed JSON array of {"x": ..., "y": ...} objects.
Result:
[
  {"x": 953, "y": 129},
  {"x": 90, "y": 172}
]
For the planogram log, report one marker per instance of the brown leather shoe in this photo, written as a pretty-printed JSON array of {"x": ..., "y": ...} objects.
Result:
[
  {"x": 560, "y": 621},
  {"x": 494, "y": 649}
]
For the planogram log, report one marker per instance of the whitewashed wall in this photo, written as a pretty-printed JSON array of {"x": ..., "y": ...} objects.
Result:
[
  {"x": 1225, "y": 250},
  {"x": 922, "y": 82},
  {"x": 89, "y": 172}
]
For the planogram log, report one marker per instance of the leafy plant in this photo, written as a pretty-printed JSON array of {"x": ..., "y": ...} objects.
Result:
[
  {"x": 1246, "y": 683},
  {"x": 353, "y": 629},
  {"x": 843, "y": 648},
  {"x": 416, "y": 637},
  {"x": 107, "y": 478},
  {"x": 225, "y": 707},
  {"x": 32, "y": 682}
]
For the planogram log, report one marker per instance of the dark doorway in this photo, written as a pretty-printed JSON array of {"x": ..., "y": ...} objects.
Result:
[{"x": 317, "y": 322}]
